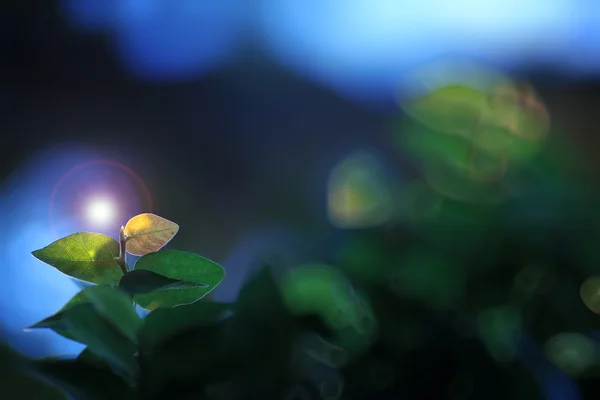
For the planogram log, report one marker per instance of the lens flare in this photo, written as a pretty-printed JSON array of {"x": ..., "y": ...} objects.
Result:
[
  {"x": 105, "y": 192},
  {"x": 100, "y": 211}
]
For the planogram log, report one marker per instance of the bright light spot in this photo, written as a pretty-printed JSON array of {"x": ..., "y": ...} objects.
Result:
[{"x": 100, "y": 211}]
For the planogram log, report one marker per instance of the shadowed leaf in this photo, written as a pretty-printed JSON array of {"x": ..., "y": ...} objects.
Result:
[
  {"x": 54, "y": 321},
  {"x": 143, "y": 281},
  {"x": 90, "y": 257},
  {"x": 147, "y": 233},
  {"x": 110, "y": 303},
  {"x": 179, "y": 265},
  {"x": 117, "y": 307},
  {"x": 103, "y": 340},
  {"x": 82, "y": 379},
  {"x": 163, "y": 323}
]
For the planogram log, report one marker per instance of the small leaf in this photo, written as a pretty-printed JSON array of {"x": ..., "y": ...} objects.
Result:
[
  {"x": 90, "y": 257},
  {"x": 147, "y": 233},
  {"x": 164, "y": 323},
  {"x": 179, "y": 265},
  {"x": 143, "y": 281}
]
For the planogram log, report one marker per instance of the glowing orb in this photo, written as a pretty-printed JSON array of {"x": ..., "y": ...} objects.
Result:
[{"x": 100, "y": 211}]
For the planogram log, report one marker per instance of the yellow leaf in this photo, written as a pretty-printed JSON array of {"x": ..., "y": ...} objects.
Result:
[{"x": 147, "y": 233}]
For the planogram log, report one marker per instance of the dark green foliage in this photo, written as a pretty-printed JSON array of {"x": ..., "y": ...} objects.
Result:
[{"x": 438, "y": 303}]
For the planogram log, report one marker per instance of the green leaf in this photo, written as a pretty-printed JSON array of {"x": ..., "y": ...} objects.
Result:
[
  {"x": 143, "y": 281},
  {"x": 83, "y": 380},
  {"x": 117, "y": 307},
  {"x": 90, "y": 257},
  {"x": 111, "y": 303},
  {"x": 55, "y": 321},
  {"x": 103, "y": 340},
  {"x": 179, "y": 265},
  {"x": 163, "y": 323}
]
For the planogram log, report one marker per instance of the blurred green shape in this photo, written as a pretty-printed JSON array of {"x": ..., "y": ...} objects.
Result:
[
  {"x": 507, "y": 120},
  {"x": 452, "y": 226},
  {"x": 365, "y": 258},
  {"x": 464, "y": 141},
  {"x": 461, "y": 185},
  {"x": 318, "y": 289},
  {"x": 429, "y": 279},
  {"x": 453, "y": 109},
  {"x": 572, "y": 352},
  {"x": 332, "y": 387},
  {"x": 454, "y": 166},
  {"x": 499, "y": 329},
  {"x": 359, "y": 193},
  {"x": 323, "y": 351},
  {"x": 531, "y": 281}
]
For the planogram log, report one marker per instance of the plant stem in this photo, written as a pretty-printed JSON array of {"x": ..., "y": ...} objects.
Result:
[{"x": 122, "y": 251}]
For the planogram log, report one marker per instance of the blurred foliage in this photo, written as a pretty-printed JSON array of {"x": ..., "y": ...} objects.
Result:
[{"x": 438, "y": 297}]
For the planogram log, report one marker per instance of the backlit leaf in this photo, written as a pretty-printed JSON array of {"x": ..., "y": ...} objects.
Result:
[
  {"x": 147, "y": 233},
  {"x": 179, "y": 265},
  {"x": 143, "y": 281},
  {"x": 90, "y": 257}
]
